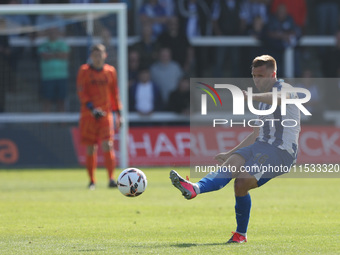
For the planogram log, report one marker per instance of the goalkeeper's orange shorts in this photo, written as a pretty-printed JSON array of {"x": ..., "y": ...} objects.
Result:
[{"x": 94, "y": 130}]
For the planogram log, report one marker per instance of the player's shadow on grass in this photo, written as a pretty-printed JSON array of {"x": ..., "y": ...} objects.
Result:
[
  {"x": 91, "y": 250},
  {"x": 186, "y": 245}
]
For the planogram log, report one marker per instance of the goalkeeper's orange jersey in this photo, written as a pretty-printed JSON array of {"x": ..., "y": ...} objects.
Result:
[{"x": 98, "y": 87}]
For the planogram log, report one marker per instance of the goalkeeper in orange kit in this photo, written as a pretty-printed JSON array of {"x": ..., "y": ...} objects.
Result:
[{"x": 99, "y": 97}]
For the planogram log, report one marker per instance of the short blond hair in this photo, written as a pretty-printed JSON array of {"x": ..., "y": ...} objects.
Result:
[
  {"x": 266, "y": 60},
  {"x": 98, "y": 47}
]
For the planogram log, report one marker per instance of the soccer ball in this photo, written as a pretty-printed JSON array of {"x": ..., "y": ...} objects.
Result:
[{"x": 132, "y": 182}]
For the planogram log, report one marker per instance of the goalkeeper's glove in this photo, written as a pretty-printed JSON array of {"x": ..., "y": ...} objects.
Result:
[{"x": 96, "y": 112}]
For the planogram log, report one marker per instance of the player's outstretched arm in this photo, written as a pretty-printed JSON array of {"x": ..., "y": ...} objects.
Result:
[{"x": 250, "y": 139}]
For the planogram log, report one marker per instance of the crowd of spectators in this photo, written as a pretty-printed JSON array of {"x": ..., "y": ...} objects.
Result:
[
  {"x": 277, "y": 24},
  {"x": 161, "y": 61}
]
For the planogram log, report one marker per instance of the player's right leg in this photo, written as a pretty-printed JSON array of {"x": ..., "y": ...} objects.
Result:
[
  {"x": 91, "y": 164},
  {"x": 243, "y": 183},
  {"x": 213, "y": 181}
]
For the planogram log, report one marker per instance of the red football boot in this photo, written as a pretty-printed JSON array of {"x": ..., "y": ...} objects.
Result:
[{"x": 237, "y": 238}]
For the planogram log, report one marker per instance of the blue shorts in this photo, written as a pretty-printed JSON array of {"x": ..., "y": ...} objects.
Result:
[
  {"x": 265, "y": 161},
  {"x": 54, "y": 90}
]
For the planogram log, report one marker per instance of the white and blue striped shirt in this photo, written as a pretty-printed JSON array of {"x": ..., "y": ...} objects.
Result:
[{"x": 273, "y": 132}]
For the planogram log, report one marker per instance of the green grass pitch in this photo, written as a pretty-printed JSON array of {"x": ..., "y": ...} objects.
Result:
[{"x": 50, "y": 211}]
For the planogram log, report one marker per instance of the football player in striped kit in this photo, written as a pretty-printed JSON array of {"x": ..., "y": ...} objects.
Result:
[{"x": 269, "y": 145}]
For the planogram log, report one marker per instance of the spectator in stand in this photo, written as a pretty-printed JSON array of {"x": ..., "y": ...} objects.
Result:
[
  {"x": 249, "y": 10},
  {"x": 16, "y": 26},
  {"x": 253, "y": 17},
  {"x": 258, "y": 28},
  {"x": 111, "y": 51},
  {"x": 330, "y": 69},
  {"x": 110, "y": 21},
  {"x": 179, "y": 100},
  {"x": 314, "y": 105},
  {"x": 331, "y": 59},
  {"x": 178, "y": 43},
  {"x": 78, "y": 28},
  {"x": 169, "y": 7},
  {"x": 226, "y": 22},
  {"x": 16, "y": 23},
  {"x": 328, "y": 16},
  {"x": 130, "y": 16},
  {"x": 45, "y": 21},
  {"x": 195, "y": 16},
  {"x": 166, "y": 73},
  {"x": 133, "y": 67},
  {"x": 31, "y": 16},
  {"x": 257, "y": 31},
  {"x": 297, "y": 9},
  {"x": 144, "y": 96},
  {"x": 5, "y": 74},
  {"x": 54, "y": 70},
  {"x": 222, "y": 10},
  {"x": 281, "y": 33},
  {"x": 151, "y": 12},
  {"x": 147, "y": 47}
]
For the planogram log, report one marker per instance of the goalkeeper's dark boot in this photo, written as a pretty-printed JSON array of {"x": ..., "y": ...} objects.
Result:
[
  {"x": 92, "y": 186},
  {"x": 112, "y": 183}
]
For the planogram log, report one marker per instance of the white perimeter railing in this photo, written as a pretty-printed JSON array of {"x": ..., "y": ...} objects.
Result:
[
  {"x": 157, "y": 117},
  {"x": 240, "y": 41}
]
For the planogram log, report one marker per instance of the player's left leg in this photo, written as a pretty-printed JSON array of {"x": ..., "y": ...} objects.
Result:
[
  {"x": 211, "y": 182},
  {"x": 217, "y": 180},
  {"x": 109, "y": 161},
  {"x": 106, "y": 135},
  {"x": 243, "y": 183}
]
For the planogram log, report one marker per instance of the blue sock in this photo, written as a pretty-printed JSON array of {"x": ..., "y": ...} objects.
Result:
[
  {"x": 242, "y": 210},
  {"x": 214, "y": 181}
]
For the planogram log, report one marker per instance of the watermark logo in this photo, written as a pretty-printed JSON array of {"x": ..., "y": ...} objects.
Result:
[
  {"x": 204, "y": 97},
  {"x": 238, "y": 99}
]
